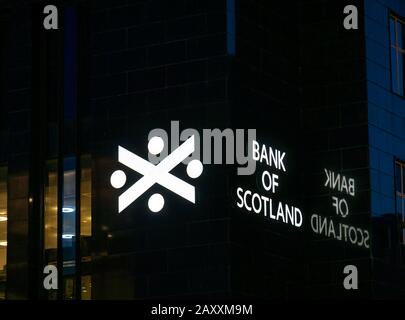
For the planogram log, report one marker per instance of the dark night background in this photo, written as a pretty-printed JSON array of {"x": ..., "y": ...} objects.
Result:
[{"x": 116, "y": 69}]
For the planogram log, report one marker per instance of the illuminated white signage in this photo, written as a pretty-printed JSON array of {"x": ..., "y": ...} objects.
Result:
[
  {"x": 156, "y": 174},
  {"x": 332, "y": 228},
  {"x": 265, "y": 205}
]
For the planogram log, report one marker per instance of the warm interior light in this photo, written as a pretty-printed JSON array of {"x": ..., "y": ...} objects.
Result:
[
  {"x": 3, "y": 243},
  {"x": 2, "y": 219}
]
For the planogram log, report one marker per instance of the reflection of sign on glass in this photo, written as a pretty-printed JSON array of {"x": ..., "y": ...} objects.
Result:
[
  {"x": 331, "y": 228},
  {"x": 266, "y": 206}
]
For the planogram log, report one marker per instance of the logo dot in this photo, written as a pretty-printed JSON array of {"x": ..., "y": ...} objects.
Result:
[
  {"x": 194, "y": 168},
  {"x": 118, "y": 179},
  {"x": 156, "y": 145},
  {"x": 156, "y": 202}
]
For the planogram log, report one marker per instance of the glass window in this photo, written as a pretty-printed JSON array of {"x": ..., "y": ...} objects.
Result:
[
  {"x": 86, "y": 287},
  {"x": 51, "y": 212},
  {"x": 85, "y": 226},
  {"x": 69, "y": 226},
  {"x": 230, "y": 26},
  {"x": 400, "y": 195},
  {"x": 85, "y": 196},
  {"x": 397, "y": 33},
  {"x": 69, "y": 200},
  {"x": 3, "y": 232},
  {"x": 51, "y": 218}
]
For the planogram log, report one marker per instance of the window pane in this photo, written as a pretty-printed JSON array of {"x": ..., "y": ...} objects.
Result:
[
  {"x": 400, "y": 196},
  {"x": 85, "y": 197},
  {"x": 69, "y": 216},
  {"x": 51, "y": 218},
  {"x": 3, "y": 232},
  {"x": 401, "y": 208},
  {"x": 392, "y": 31},
  {"x": 403, "y": 236},
  {"x": 395, "y": 72},
  {"x": 398, "y": 177},
  {"x": 86, "y": 287},
  {"x": 401, "y": 177},
  {"x": 398, "y": 203},
  {"x": 51, "y": 212},
  {"x": 400, "y": 35},
  {"x": 400, "y": 75},
  {"x": 85, "y": 226},
  {"x": 230, "y": 26},
  {"x": 69, "y": 286},
  {"x": 397, "y": 45}
]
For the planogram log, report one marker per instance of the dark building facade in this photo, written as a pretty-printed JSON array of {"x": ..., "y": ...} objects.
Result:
[{"x": 326, "y": 102}]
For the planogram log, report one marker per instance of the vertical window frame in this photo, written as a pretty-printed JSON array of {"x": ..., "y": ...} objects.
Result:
[
  {"x": 400, "y": 195},
  {"x": 398, "y": 84}
]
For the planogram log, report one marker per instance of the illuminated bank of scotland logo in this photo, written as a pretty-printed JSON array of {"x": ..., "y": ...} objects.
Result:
[{"x": 156, "y": 174}]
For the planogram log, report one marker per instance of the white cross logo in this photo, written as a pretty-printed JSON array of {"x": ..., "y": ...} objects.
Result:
[{"x": 159, "y": 174}]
